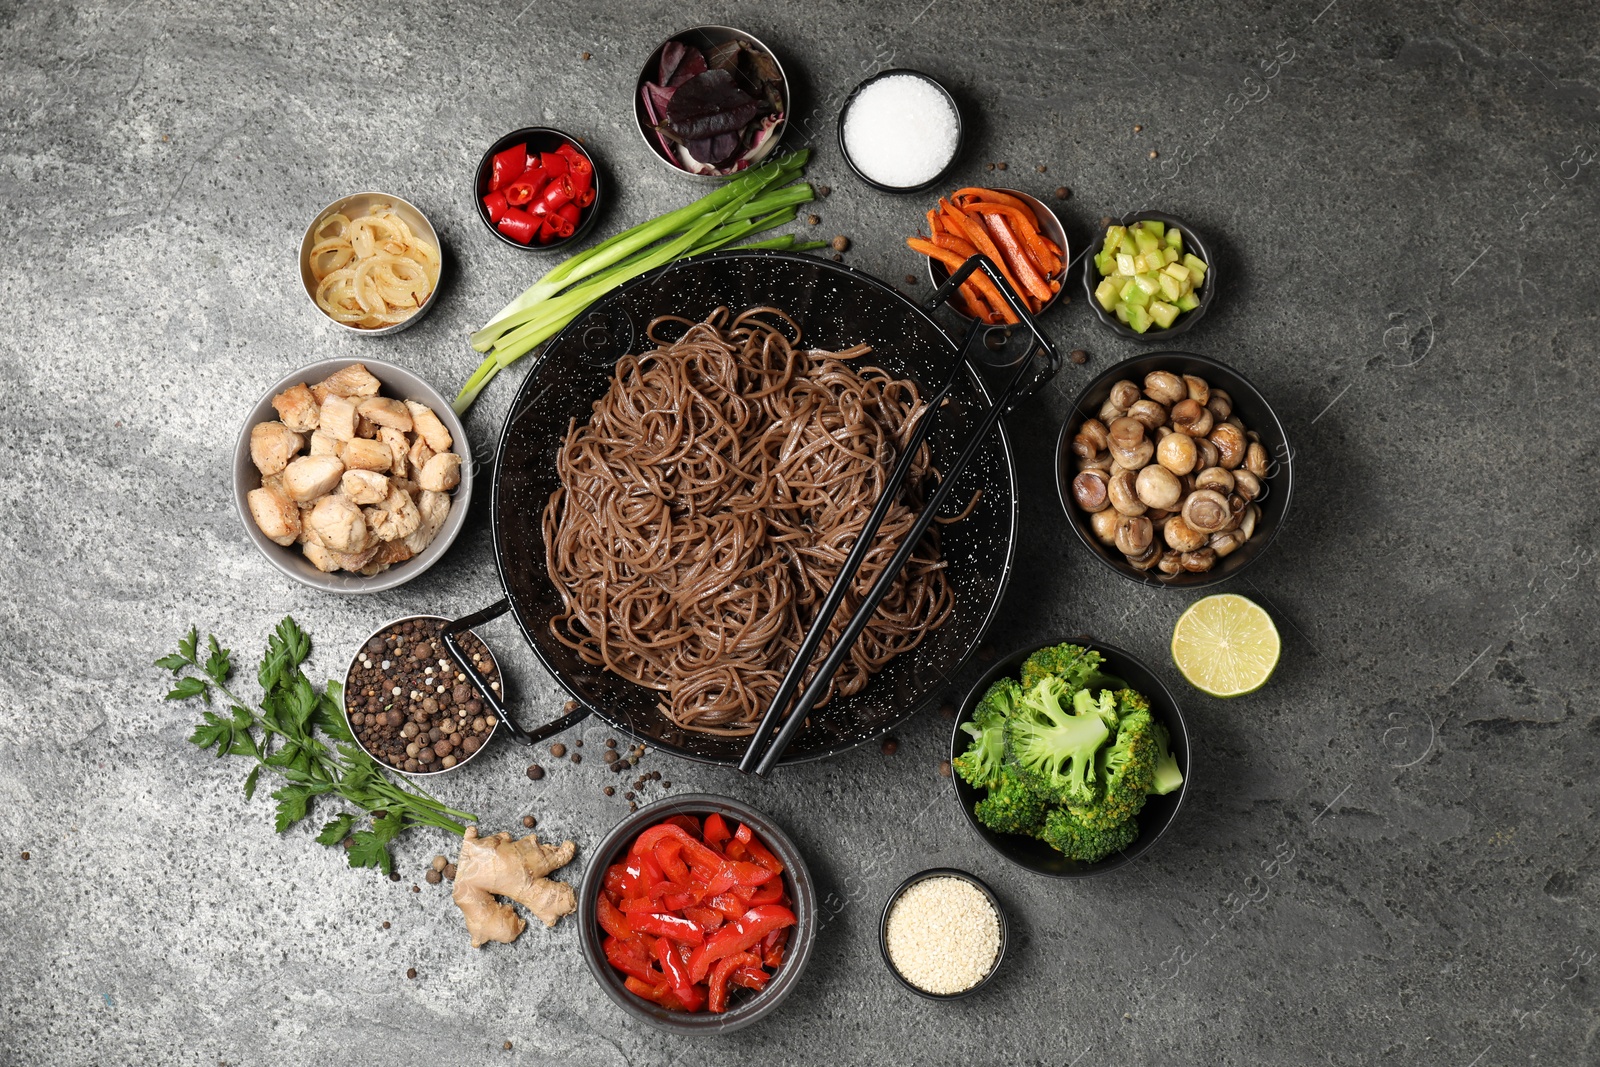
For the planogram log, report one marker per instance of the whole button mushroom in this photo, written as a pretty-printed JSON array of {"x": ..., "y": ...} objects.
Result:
[
  {"x": 1158, "y": 487},
  {"x": 1164, "y": 387},
  {"x": 1177, "y": 453},
  {"x": 1220, "y": 404},
  {"x": 1231, "y": 445},
  {"x": 1255, "y": 459},
  {"x": 1125, "y": 433},
  {"x": 1190, "y": 417},
  {"x": 1124, "y": 394},
  {"x": 1135, "y": 535},
  {"x": 1219, "y": 478},
  {"x": 1199, "y": 560},
  {"x": 1149, "y": 558},
  {"x": 1123, "y": 491},
  {"x": 1207, "y": 453},
  {"x": 1149, "y": 414},
  {"x": 1095, "y": 431},
  {"x": 1104, "y": 525},
  {"x": 1199, "y": 389},
  {"x": 1246, "y": 484},
  {"x": 1181, "y": 537},
  {"x": 1089, "y": 491},
  {"x": 1207, "y": 510},
  {"x": 1223, "y": 544}
]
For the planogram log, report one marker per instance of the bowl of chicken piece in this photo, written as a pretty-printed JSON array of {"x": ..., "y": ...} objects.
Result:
[{"x": 348, "y": 476}]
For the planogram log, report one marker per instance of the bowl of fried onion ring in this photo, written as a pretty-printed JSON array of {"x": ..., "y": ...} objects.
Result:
[{"x": 370, "y": 263}]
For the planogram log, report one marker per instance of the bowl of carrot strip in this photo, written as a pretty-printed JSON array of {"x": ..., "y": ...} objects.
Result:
[{"x": 1017, "y": 231}]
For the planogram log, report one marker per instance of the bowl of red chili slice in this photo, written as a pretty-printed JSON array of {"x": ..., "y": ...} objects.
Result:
[
  {"x": 697, "y": 914},
  {"x": 537, "y": 188}
]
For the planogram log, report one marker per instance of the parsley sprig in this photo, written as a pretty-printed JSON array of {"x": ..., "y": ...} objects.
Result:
[{"x": 281, "y": 735}]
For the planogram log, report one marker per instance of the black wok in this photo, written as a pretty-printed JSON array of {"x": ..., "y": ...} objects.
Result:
[{"x": 836, "y": 307}]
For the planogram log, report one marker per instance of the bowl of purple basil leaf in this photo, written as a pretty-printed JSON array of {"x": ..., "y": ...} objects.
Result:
[{"x": 712, "y": 101}]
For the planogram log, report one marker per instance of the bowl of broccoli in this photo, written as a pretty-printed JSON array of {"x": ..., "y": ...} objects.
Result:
[{"x": 1070, "y": 759}]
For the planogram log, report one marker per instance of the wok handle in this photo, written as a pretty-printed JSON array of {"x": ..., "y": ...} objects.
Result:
[{"x": 457, "y": 653}]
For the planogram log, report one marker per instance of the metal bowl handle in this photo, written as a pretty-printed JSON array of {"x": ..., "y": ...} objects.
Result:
[{"x": 457, "y": 653}]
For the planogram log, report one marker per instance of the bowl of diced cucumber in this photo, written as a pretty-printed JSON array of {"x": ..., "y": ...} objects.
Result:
[{"x": 1152, "y": 278}]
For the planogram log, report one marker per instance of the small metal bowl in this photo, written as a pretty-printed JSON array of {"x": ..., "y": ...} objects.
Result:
[
  {"x": 361, "y": 204},
  {"x": 1252, "y": 409},
  {"x": 922, "y": 876},
  {"x": 961, "y": 133},
  {"x": 1159, "y": 812},
  {"x": 400, "y": 384},
  {"x": 744, "y": 1007},
  {"x": 1192, "y": 242},
  {"x": 1049, "y": 225},
  {"x": 493, "y": 732},
  {"x": 541, "y": 139},
  {"x": 703, "y": 38}
]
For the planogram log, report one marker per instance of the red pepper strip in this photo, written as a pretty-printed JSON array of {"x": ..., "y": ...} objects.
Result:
[
  {"x": 751, "y": 977},
  {"x": 716, "y": 831},
  {"x": 653, "y": 874},
  {"x": 518, "y": 225},
  {"x": 615, "y": 875},
  {"x": 743, "y": 834},
  {"x": 678, "y": 975},
  {"x": 708, "y": 919},
  {"x": 717, "y": 998},
  {"x": 740, "y": 936},
  {"x": 612, "y": 921},
  {"x": 772, "y": 947},
  {"x": 663, "y": 925},
  {"x": 694, "y": 850},
  {"x": 762, "y": 856},
  {"x": 656, "y": 992},
  {"x": 631, "y": 958},
  {"x": 735, "y": 850},
  {"x": 523, "y": 188},
  {"x": 558, "y": 192},
  {"x": 668, "y": 859},
  {"x": 771, "y": 893},
  {"x": 736, "y": 875},
  {"x": 688, "y": 822},
  {"x": 507, "y": 165},
  {"x": 688, "y": 898},
  {"x": 496, "y": 205},
  {"x": 730, "y": 906},
  {"x": 554, "y": 163}
]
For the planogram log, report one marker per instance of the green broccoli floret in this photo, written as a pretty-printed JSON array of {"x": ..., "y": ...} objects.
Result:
[
  {"x": 1013, "y": 805},
  {"x": 1054, "y": 747},
  {"x": 1167, "y": 776},
  {"x": 980, "y": 764},
  {"x": 1073, "y": 664},
  {"x": 1067, "y": 834},
  {"x": 1127, "y": 766},
  {"x": 1084, "y": 703}
]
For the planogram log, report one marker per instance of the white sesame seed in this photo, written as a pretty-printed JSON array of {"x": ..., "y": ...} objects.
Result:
[{"x": 943, "y": 935}]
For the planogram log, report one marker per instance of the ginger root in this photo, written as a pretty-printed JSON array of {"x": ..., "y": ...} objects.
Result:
[{"x": 498, "y": 865}]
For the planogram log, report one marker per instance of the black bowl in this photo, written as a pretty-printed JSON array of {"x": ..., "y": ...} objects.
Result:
[
  {"x": 744, "y": 1006},
  {"x": 1251, "y": 407},
  {"x": 835, "y": 306},
  {"x": 539, "y": 139},
  {"x": 1159, "y": 811},
  {"x": 1192, "y": 242},
  {"x": 961, "y": 133},
  {"x": 943, "y": 872}
]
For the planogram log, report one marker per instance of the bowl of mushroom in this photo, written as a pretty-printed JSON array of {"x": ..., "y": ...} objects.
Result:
[
  {"x": 1174, "y": 470},
  {"x": 348, "y": 475}
]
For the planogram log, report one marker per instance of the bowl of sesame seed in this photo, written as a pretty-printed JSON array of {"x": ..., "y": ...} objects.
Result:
[{"x": 943, "y": 933}]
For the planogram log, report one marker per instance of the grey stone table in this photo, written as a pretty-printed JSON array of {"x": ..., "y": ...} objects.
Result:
[{"x": 1388, "y": 854}]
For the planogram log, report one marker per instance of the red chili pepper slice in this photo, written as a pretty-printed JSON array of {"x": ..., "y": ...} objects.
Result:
[
  {"x": 558, "y": 192},
  {"x": 495, "y": 203},
  {"x": 584, "y": 198},
  {"x": 743, "y": 834},
  {"x": 568, "y": 149},
  {"x": 664, "y": 925},
  {"x": 518, "y": 225},
  {"x": 554, "y": 163},
  {"x": 547, "y": 230},
  {"x": 506, "y": 165},
  {"x": 740, "y": 936},
  {"x": 612, "y": 920},
  {"x": 678, "y": 975},
  {"x": 717, "y": 994},
  {"x": 523, "y": 188},
  {"x": 581, "y": 171}
]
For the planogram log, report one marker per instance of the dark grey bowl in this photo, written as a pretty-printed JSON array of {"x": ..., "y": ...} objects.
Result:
[
  {"x": 745, "y": 1006},
  {"x": 543, "y": 139},
  {"x": 1251, "y": 407},
  {"x": 961, "y": 132},
  {"x": 1192, "y": 241},
  {"x": 400, "y": 384},
  {"x": 922, "y": 876},
  {"x": 1159, "y": 811}
]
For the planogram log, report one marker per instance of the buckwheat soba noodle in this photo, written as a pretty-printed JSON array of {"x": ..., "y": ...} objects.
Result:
[{"x": 706, "y": 505}]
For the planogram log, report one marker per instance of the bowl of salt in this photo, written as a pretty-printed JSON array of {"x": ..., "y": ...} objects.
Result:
[{"x": 900, "y": 131}]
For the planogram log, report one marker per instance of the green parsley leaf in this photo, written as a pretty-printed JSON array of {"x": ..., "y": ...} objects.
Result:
[
  {"x": 219, "y": 664},
  {"x": 293, "y": 802},
  {"x": 250, "y": 782},
  {"x": 336, "y": 831},
  {"x": 189, "y": 687},
  {"x": 367, "y": 851},
  {"x": 188, "y": 646},
  {"x": 173, "y": 663}
]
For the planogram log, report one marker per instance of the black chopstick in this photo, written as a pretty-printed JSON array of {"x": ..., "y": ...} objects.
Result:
[{"x": 976, "y": 342}]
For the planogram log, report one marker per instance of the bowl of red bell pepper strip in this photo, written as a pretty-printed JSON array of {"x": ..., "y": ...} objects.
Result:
[
  {"x": 1023, "y": 236},
  {"x": 537, "y": 188},
  {"x": 697, "y": 914}
]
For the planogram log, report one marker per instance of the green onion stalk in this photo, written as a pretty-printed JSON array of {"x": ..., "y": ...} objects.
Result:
[{"x": 760, "y": 199}]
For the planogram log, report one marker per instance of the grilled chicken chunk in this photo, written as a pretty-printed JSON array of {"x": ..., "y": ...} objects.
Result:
[
  {"x": 297, "y": 408},
  {"x": 275, "y": 513},
  {"x": 272, "y": 446}
]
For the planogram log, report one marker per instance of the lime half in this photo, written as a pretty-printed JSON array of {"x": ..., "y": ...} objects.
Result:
[{"x": 1226, "y": 645}]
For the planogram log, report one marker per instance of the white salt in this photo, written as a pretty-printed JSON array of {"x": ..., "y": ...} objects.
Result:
[{"x": 901, "y": 131}]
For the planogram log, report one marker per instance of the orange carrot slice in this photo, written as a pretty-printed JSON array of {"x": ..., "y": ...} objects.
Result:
[
  {"x": 1045, "y": 254},
  {"x": 962, "y": 196},
  {"x": 1017, "y": 258},
  {"x": 952, "y": 263},
  {"x": 973, "y": 230}
]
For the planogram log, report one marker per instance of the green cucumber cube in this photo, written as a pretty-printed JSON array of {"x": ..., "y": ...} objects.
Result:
[
  {"x": 1178, "y": 271},
  {"x": 1196, "y": 266},
  {"x": 1156, "y": 229},
  {"x": 1106, "y": 293},
  {"x": 1146, "y": 243},
  {"x": 1138, "y": 319},
  {"x": 1170, "y": 255},
  {"x": 1171, "y": 288},
  {"x": 1148, "y": 283},
  {"x": 1122, "y": 313},
  {"x": 1125, "y": 264},
  {"x": 1113, "y": 237},
  {"x": 1105, "y": 262},
  {"x": 1188, "y": 302},
  {"x": 1163, "y": 313},
  {"x": 1175, "y": 239}
]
